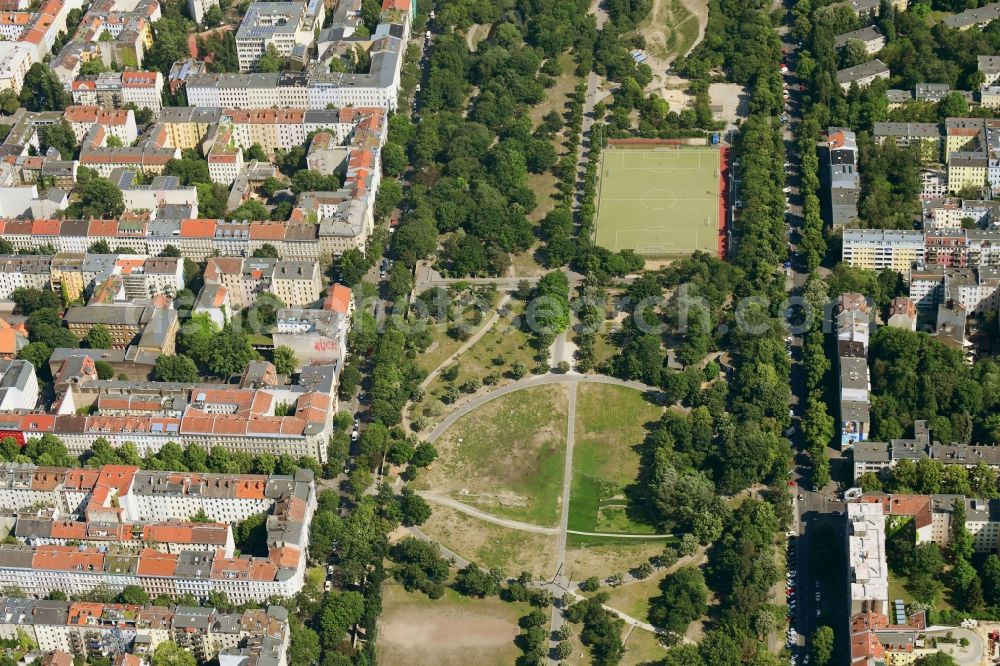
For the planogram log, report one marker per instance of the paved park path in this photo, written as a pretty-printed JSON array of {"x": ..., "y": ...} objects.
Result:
[{"x": 472, "y": 403}]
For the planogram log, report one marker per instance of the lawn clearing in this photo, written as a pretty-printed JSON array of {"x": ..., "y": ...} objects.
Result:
[
  {"x": 473, "y": 316},
  {"x": 633, "y": 599},
  {"x": 506, "y": 457},
  {"x": 451, "y": 631},
  {"x": 490, "y": 545},
  {"x": 641, "y": 647},
  {"x": 610, "y": 426},
  {"x": 662, "y": 201},
  {"x": 494, "y": 354},
  {"x": 590, "y": 556}
]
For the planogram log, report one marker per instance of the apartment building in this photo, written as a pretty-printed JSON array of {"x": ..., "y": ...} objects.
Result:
[
  {"x": 18, "y": 385},
  {"x": 976, "y": 290},
  {"x": 23, "y": 272},
  {"x": 128, "y": 324},
  {"x": 141, "y": 520},
  {"x": 317, "y": 335},
  {"x": 878, "y": 249},
  {"x": 862, "y": 75},
  {"x": 875, "y": 457},
  {"x": 954, "y": 214},
  {"x": 317, "y": 87},
  {"x": 926, "y": 135},
  {"x": 898, "y": 98},
  {"x": 933, "y": 183},
  {"x": 964, "y": 135},
  {"x": 989, "y": 66},
  {"x": 282, "y": 25},
  {"x": 869, "y": 8},
  {"x": 150, "y": 155},
  {"x": 119, "y": 123},
  {"x": 161, "y": 191},
  {"x": 967, "y": 169},
  {"x": 932, "y": 93},
  {"x": 294, "y": 282},
  {"x": 852, "y": 321},
  {"x": 870, "y": 38},
  {"x": 91, "y": 629},
  {"x": 116, "y": 89},
  {"x": 980, "y": 17},
  {"x": 225, "y": 158},
  {"x": 903, "y": 313},
  {"x": 868, "y": 570},
  {"x": 271, "y": 129},
  {"x": 16, "y": 59},
  {"x": 842, "y": 176},
  {"x": 241, "y": 420}
]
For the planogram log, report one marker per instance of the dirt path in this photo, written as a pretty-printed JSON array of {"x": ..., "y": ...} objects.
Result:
[
  {"x": 444, "y": 500},
  {"x": 477, "y": 32}
]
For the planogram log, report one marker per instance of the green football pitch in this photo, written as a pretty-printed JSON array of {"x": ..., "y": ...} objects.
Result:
[{"x": 660, "y": 202}]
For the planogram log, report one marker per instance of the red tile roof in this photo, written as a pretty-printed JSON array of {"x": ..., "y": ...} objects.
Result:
[{"x": 198, "y": 228}]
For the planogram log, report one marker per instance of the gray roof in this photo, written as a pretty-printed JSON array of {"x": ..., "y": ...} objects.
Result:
[
  {"x": 971, "y": 17},
  {"x": 864, "y": 70},
  {"x": 907, "y": 130},
  {"x": 868, "y": 34},
  {"x": 896, "y": 96},
  {"x": 129, "y": 315},
  {"x": 288, "y": 15},
  {"x": 872, "y": 452},
  {"x": 853, "y": 410}
]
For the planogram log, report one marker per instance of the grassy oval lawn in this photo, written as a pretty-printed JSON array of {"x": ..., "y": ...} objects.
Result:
[{"x": 506, "y": 457}]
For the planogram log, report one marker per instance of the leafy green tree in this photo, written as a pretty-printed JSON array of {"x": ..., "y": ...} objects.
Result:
[
  {"x": 400, "y": 281},
  {"x": 59, "y": 136},
  {"x": 104, "y": 370},
  {"x": 822, "y": 645},
  {"x": 683, "y": 599},
  {"x": 250, "y": 209},
  {"x": 230, "y": 353},
  {"x": 134, "y": 594},
  {"x": 340, "y": 612},
  {"x": 271, "y": 61},
  {"x": 960, "y": 543},
  {"x": 303, "y": 647},
  {"x": 213, "y": 17},
  {"x": 475, "y": 582},
  {"x": 353, "y": 266},
  {"x": 937, "y": 659},
  {"x": 190, "y": 169},
  {"x": 36, "y": 353},
  {"x": 99, "y": 337},
  {"x": 990, "y": 574},
  {"x": 256, "y": 152},
  {"x": 100, "y": 198},
  {"x": 177, "y": 368},
  {"x": 9, "y": 103},
  {"x": 42, "y": 90},
  {"x": 284, "y": 360},
  {"x": 394, "y": 160},
  {"x": 414, "y": 510},
  {"x": 169, "y": 44},
  {"x": 266, "y": 251},
  {"x": 169, "y": 653}
]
